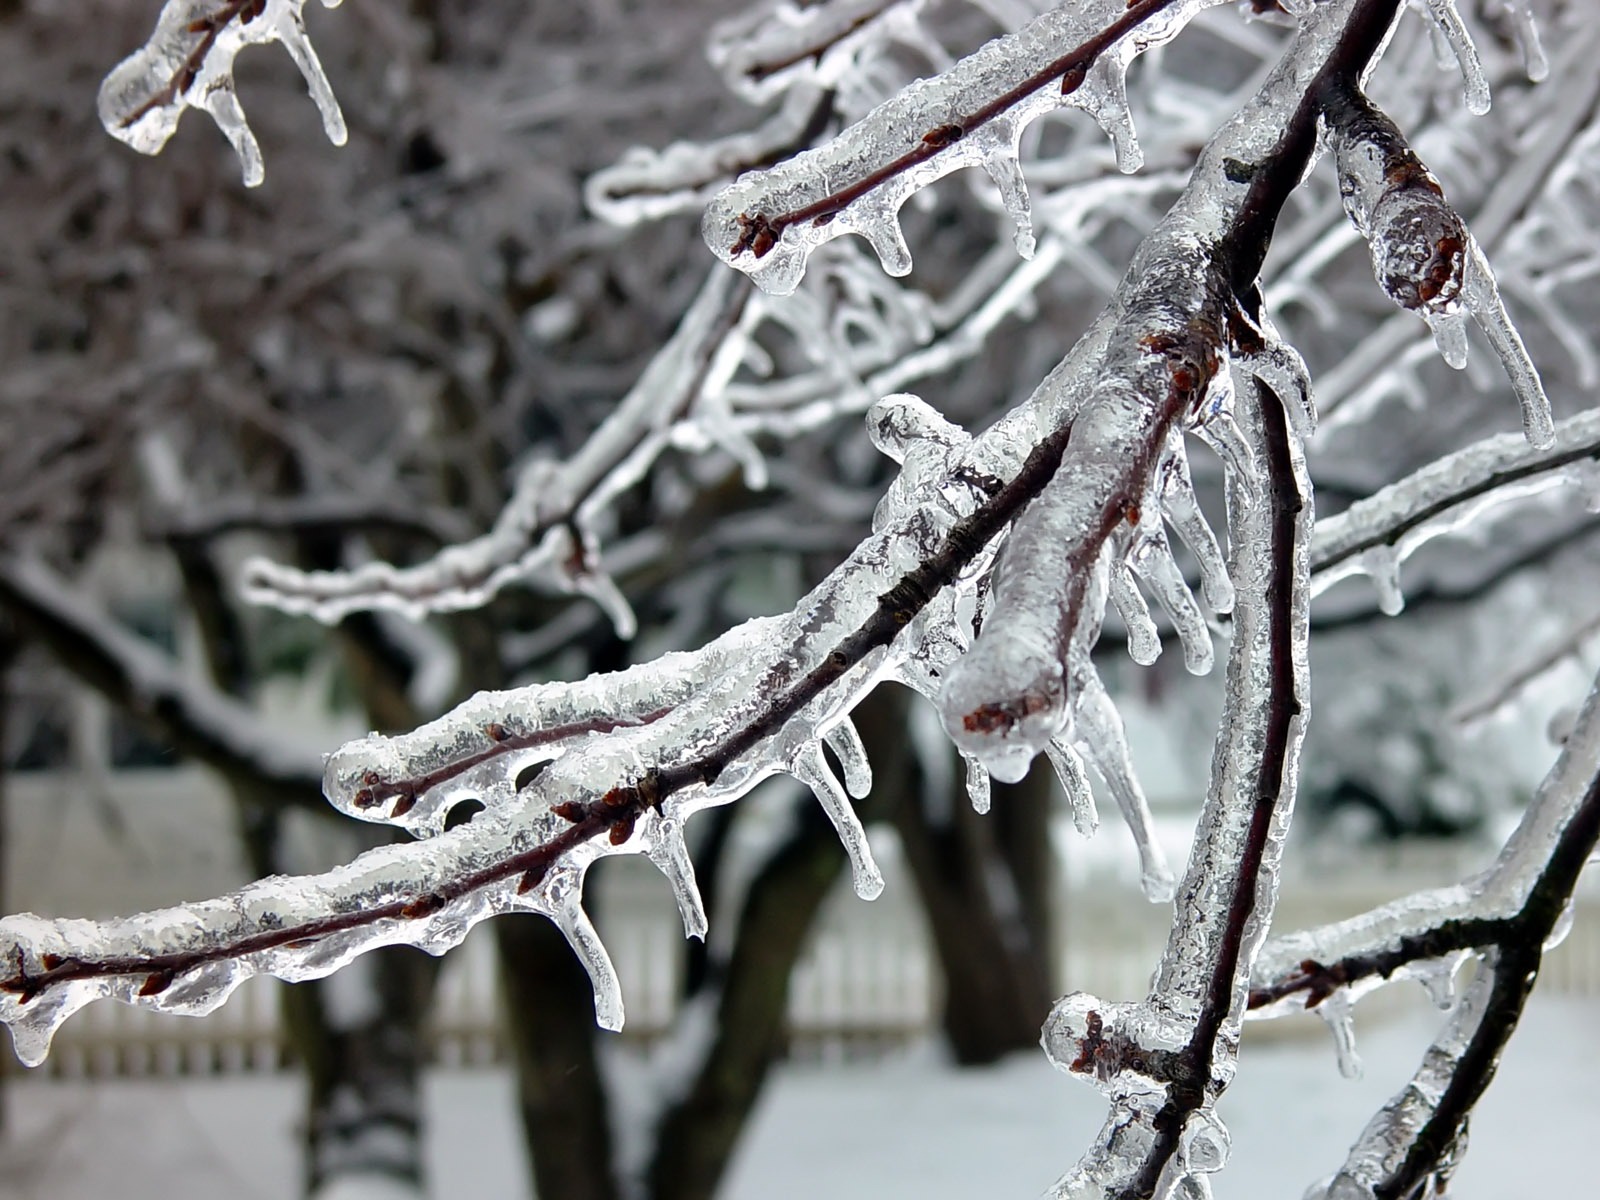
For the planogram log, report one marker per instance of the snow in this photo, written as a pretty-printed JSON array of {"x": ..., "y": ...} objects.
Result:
[{"x": 907, "y": 1126}]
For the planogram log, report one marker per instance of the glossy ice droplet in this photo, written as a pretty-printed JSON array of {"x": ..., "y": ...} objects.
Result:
[
  {"x": 1450, "y": 336},
  {"x": 1561, "y": 928},
  {"x": 1004, "y": 168},
  {"x": 1205, "y": 1141}
]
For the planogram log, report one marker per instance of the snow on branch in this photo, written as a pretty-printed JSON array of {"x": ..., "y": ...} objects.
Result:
[
  {"x": 188, "y": 63},
  {"x": 1374, "y": 536}
]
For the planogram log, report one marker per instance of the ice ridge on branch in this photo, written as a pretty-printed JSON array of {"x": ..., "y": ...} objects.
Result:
[{"x": 188, "y": 63}]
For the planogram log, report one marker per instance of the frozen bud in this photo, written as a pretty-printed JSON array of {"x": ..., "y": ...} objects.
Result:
[{"x": 1418, "y": 241}]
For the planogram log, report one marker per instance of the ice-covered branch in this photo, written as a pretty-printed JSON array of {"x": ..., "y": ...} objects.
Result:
[
  {"x": 1427, "y": 934},
  {"x": 200, "y": 720},
  {"x": 647, "y": 184},
  {"x": 188, "y": 63},
  {"x": 1510, "y": 914},
  {"x": 1422, "y": 254},
  {"x": 972, "y": 115},
  {"x": 1506, "y": 691},
  {"x": 1164, "y": 1061},
  {"x": 689, "y": 731},
  {"x": 1374, "y": 536},
  {"x": 546, "y": 530}
]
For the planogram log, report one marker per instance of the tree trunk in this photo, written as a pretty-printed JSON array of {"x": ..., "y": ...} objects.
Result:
[
  {"x": 697, "y": 1136},
  {"x": 549, "y": 1013},
  {"x": 984, "y": 882}
]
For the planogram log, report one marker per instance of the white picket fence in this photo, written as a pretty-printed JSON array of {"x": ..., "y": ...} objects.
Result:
[{"x": 867, "y": 981}]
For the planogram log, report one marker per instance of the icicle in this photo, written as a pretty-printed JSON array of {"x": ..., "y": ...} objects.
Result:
[
  {"x": 292, "y": 33},
  {"x": 591, "y": 952},
  {"x": 1075, "y": 782},
  {"x": 1144, "y": 642},
  {"x": 603, "y": 590},
  {"x": 1488, "y": 309},
  {"x": 1526, "y": 32},
  {"x": 1382, "y": 566},
  {"x": 1447, "y": 19},
  {"x": 846, "y": 745},
  {"x": 1104, "y": 96},
  {"x": 978, "y": 790},
  {"x": 187, "y": 63},
  {"x": 670, "y": 854},
  {"x": 1216, "y": 427},
  {"x": 1104, "y": 739},
  {"x": 1005, "y": 169},
  {"x": 1152, "y": 559},
  {"x": 1449, "y": 331},
  {"x": 811, "y": 769},
  {"x": 222, "y": 103},
  {"x": 1182, "y": 509},
  {"x": 1438, "y": 978},
  {"x": 1336, "y": 1011}
]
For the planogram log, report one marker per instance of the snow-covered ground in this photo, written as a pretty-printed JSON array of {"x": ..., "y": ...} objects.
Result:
[{"x": 909, "y": 1126}]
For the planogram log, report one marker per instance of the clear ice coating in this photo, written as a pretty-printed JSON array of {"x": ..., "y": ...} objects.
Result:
[
  {"x": 188, "y": 63},
  {"x": 1446, "y": 17},
  {"x": 547, "y": 531},
  {"x": 1375, "y": 535},
  {"x": 769, "y": 222},
  {"x": 1422, "y": 253}
]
